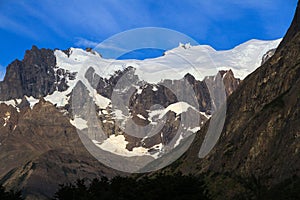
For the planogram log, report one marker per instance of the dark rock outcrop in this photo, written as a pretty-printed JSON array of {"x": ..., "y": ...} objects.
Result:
[
  {"x": 33, "y": 76},
  {"x": 36, "y": 75}
]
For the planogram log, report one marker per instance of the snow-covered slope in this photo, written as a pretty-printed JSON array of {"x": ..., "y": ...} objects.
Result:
[
  {"x": 199, "y": 60},
  {"x": 204, "y": 61}
]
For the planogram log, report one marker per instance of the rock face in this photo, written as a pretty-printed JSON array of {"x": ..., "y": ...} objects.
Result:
[
  {"x": 38, "y": 151},
  {"x": 230, "y": 82},
  {"x": 144, "y": 95},
  {"x": 36, "y": 75},
  {"x": 260, "y": 139}
]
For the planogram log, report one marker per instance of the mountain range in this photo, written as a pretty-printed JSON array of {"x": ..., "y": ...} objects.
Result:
[{"x": 54, "y": 102}]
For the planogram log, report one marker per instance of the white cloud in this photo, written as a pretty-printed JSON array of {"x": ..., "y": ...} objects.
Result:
[
  {"x": 82, "y": 42},
  {"x": 107, "y": 48},
  {"x": 110, "y": 47}
]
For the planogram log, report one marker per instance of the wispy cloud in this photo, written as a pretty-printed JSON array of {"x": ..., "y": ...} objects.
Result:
[
  {"x": 110, "y": 46},
  {"x": 100, "y": 19},
  {"x": 43, "y": 17},
  {"x": 84, "y": 17},
  {"x": 106, "y": 48},
  {"x": 24, "y": 20},
  {"x": 82, "y": 42},
  {"x": 2, "y": 72},
  {"x": 12, "y": 25},
  {"x": 111, "y": 49}
]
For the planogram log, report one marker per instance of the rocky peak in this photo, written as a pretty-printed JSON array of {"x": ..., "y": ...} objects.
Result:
[
  {"x": 67, "y": 51},
  {"x": 36, "y": 75},
  {"x": 190, "y": 78},
  {"x": 230, "y": 82},
  {"x": 33, "y": 76}
]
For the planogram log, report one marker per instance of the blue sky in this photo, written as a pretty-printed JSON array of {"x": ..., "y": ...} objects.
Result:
[{"x": 222, "y": 24}]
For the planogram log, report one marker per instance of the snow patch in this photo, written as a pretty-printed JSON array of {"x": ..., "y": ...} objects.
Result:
[
  {"x": 59, "y": 98},
  {"x": 194, "y": 130},
  {"x": 178, "y": 140},
  {"x": 154, "y": 88},
  {"x": 104, "y": 112},
  {"x": 118, "y": 114},
  {"x": 6, "y": 118},
  {"x": 100, "y": 100},
  {"x": 205, "y": 115},
  {"x": 117, "y": 144},
  {"x": 141, "y": 116},
  {"x": 178, "y": 108},
  {"x": 12, "y": 102},
  {"x": 139, "y": 91},
  {"x": 79, "y": 123},
  {"x": 32, "y": 101}
]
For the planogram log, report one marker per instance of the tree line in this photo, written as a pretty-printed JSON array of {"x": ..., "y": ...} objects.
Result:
[{"x": 175, "y": 187}]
